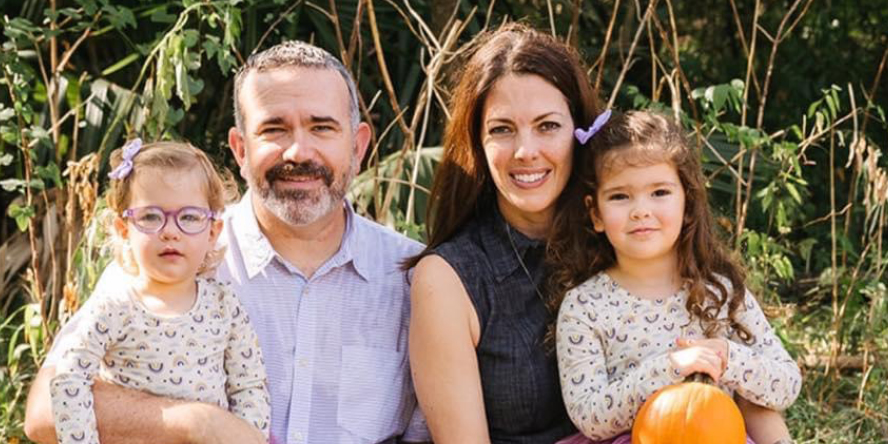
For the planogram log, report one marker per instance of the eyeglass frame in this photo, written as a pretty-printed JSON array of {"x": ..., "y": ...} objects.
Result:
[{"x": 210, "y": 214}]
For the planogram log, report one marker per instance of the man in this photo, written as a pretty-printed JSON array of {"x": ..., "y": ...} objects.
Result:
[{"x": 322, "y": 285}]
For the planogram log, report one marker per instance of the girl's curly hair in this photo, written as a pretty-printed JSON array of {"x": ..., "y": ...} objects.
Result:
[{"x": 575, "y": 254}]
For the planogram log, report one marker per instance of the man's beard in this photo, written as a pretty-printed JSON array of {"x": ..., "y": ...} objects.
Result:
[{"x": 302, "y": 207}]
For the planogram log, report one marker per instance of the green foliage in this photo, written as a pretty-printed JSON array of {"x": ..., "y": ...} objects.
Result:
[{"x": 16, "y": 370}]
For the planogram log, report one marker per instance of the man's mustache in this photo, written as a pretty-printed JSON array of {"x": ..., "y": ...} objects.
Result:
[{"x": 287, "y": 170}]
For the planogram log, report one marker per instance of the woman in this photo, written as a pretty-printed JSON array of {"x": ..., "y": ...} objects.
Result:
[
  {"x": 479, "y": 316},
  {"x": 479, "y": 312}
]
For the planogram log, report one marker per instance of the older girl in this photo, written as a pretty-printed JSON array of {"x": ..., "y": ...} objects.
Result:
[{"x": 655, "y": 297}]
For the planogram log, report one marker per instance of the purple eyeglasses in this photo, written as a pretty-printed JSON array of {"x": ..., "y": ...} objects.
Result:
[{"x": 151, "y": 220}]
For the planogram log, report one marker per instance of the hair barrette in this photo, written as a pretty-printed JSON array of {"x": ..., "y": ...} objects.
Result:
[
  {"x": 126, "y": 166},
  {"x": 583, "y": 136}
]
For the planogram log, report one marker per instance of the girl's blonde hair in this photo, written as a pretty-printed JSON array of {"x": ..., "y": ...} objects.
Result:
[
  {"x": 167, "y": 158},
  {"x": 640, "y": 138}
]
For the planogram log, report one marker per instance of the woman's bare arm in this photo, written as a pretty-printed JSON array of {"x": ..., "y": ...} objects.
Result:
[{"x": 444, "y": 331}]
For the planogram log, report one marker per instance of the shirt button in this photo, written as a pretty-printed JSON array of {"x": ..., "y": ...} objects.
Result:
[
  {"x": 302, "y": 362},
  {"x": 297, "y": 437}
]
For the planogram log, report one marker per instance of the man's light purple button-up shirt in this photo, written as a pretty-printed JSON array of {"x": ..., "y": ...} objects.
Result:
[{"x": 335, "y": 344}]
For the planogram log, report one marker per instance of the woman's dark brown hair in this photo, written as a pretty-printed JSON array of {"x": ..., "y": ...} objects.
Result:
[
  {"x": 462, "y": 184},
  {"x": 576, "y": 252}
]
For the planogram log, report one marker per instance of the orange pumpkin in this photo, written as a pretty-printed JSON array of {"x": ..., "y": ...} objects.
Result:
[{"x": 689, "y": 413}]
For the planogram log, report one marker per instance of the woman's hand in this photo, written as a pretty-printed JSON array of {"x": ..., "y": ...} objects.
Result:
[{"x": 707, "y": 356}]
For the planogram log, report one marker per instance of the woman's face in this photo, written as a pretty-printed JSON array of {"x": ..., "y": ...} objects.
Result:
[{"x": 527, "y": 135}]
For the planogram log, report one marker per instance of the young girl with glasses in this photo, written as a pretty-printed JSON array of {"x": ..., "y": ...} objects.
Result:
[
  {"x": 167, "y": 330},
  {"x": 652, "y": 296}
]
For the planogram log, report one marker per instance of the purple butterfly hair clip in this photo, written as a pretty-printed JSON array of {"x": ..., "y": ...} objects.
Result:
[
  {"x": 584, "y": 135},
  {"x": 126, "y": 166}
]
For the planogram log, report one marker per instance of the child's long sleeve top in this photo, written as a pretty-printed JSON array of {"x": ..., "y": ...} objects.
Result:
[
  {"x": 208, "y": 354},
  {"x": 613, "y": 354}
]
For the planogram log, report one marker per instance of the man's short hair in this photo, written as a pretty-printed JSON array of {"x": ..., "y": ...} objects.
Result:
[{"x": 298, "y": 54}]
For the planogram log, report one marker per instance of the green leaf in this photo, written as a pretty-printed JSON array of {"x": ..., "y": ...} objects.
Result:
[
  {"x": 812, "y": 108},
  {"x": 709, "y": 94},
  {"x": 780, "y": 217},
  {"x": 9, "y": 134},
  {"x": 63, "y": 145},
  {"x": 72, "y": 92},
  {"x": 174, "y": 116},
  {"x": 160, "y": 15},
  {"x": 21, "y": 215},
  {"x": 6, "y": 113},
  {"x": 793, "y": 192},
  {"x": 831, "y": 105},
  {"x": 232, "y": 23},
  {"x": 190, "y": 37},
  {"x": 50, "y": 172},
  {"x": 90, "y": 7},
  {"x": 6, "y": 159},
  {"x": 119, "y": 16},
  {"x": 40, "y": 92},
  {"x": 122, "y": 63},
  {"x": 211, "y": 45},
  {"x": 767, "y": 196},
  {"x": 195, "y": 86},
  {"x": 38, "y": 133},
  {"x": 12, "y": 184},
  {"x": 719, "y": 96},
  {"x": 806, "y": 246}
]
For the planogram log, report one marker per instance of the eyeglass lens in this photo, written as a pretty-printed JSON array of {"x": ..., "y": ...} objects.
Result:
[{"x": 190, "y": 220}]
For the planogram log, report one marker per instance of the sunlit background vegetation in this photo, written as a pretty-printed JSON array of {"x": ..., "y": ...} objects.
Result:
[{"x": 785, "y": 100}]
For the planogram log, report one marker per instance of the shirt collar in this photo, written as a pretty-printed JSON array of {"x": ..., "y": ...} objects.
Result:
[
  {"x": 505, "y": 242},
  {"x": 257, "y": 251},
  {"x": 354, "y": 249}
]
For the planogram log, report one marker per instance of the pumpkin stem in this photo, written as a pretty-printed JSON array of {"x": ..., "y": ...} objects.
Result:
[{"x": 701, "y": 377}]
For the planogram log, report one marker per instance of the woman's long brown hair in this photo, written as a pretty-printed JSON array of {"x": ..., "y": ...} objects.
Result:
[
  {"x": 462, "y": 184},
  {"x": 576, "y": 252}
]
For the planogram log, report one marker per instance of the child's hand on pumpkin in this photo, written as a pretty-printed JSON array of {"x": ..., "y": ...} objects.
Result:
[
  {"x": 698, "y": 357},
  {"x": 719, "y": 346}
]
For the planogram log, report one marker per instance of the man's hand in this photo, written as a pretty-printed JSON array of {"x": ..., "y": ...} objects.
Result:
[{"x": 213, "y": 425}]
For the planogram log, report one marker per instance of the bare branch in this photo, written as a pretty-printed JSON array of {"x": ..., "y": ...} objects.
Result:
[
  {"x": 607, "y": 38},
  {"x": 628, "y": 62}
]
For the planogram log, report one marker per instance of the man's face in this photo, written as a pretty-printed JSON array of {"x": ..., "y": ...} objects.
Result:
[{"x": 298, "y": 150}]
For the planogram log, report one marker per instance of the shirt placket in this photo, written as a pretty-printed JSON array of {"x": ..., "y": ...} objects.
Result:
[{"x": 303, "y": 374}]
